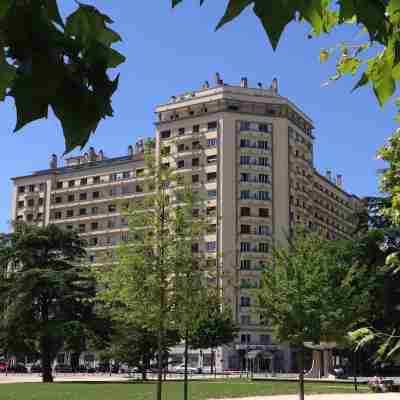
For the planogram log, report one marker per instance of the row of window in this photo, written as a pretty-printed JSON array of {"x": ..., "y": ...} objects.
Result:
[
  {"x": 247, "y": 212},
  {"x": 251, "y": 265},
  {"x": 252, "y": 160},
  {"x": 255, "y": 127},
  {"x": 262, "y": 230},
  {"x": 261, "y": 195},
  {"x": 246, "y": 338},
  {"x": 182, "y": 131},
  {"x": 254, "y": 178},
  {"x": 299, "y": 138},
  {"x": 333, "y": 195},
  {"x": 195, "y": 162},
  {"x": 30, "y": 202},
  {"x": 210, "y": 247},
  {"x": 82, "y": 212},
  {"x": 247, "y": 247},
  {"x": 255, "y": 144},
  {"x": 31, "y": 188},
  {"x": 96, "y": 226}
]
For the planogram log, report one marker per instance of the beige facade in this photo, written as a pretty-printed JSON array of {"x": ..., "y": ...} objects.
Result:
[{"x": 249, "y": 152}]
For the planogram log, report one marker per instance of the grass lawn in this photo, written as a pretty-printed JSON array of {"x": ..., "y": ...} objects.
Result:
[{"x": 172, "y": 391}]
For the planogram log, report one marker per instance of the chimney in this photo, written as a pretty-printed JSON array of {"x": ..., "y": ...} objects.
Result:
[
  {"x": 243, "y": 82},
  {"x": 53, "y": 161},
  {"x": 130, "y": 150},
  {"x": 92, "y": 154},
  {"x": 86, "y": 157},
  {"x": 339, "y": 180},
  {"x": 274, "y": 86},
  {"x": 329, "y": 175},
  {"x": 218, "y": 79},
  {"x": 259, "y": 84},
  {"x": 101, "y": 155},
  {"x": 206, "y": 85}
]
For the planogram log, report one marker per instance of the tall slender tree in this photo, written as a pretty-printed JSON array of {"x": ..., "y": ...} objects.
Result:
[{"x": 46, "y": 291}]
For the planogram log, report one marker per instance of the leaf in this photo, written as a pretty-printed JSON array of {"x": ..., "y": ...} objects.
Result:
[
  {"x": 394, "y": 350},
  {"x": 7, "y": 76},
  {"x": 233, "y": 10},
  {"x": 53, "y": 12},
  {"x": 4, "y": 6},
  {"x": 363, "y": 81}
]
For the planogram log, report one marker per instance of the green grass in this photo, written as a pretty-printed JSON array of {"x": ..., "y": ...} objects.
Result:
[{"x": 172, "y": 390}]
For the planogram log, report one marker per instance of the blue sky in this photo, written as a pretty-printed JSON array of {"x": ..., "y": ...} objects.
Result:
[{"x": 173, "y": 51}]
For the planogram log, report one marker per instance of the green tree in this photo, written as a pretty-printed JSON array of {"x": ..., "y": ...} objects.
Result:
[
  {"x": 307, "y": 294},
  {"x": 214, "y": 328},
  {"x": 46, "y": 292}
]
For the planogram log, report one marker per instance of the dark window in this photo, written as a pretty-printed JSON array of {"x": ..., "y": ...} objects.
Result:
[
  {"x": 93, "y": 241},
  {"x": 263, "y": 247},
  {"x": 29, "y": 217},
  {"x": 96, "y": 195},
  {"x": 263, "y": 212},
  {"x": 94, "y": 226},
  {"x": 165, "y": 134},
  {"x": 181, "y": 164},
  {"x": 112, "y": 208},
  {"x": 181, "y": 131},
  {"x": 96, "y": 180},
  {"x": 21, "y": 189},
  {"x": 70, "y": 227},
  {"x": 195, "y": 212},
  {"x": 71, "y": 183},
  {"x": 245, "y": 265},
  {"x": 195, "y": 247},
  {"x": 83, "y": 196},
  {"x": 196, "y": 145},
  {"x": 21, "y": 204},
  {"x": 82, "y": 211},
  {"x": 41, "y": 187},
  {"x": 245, "y": 211},
  {"x": 95, "y": 210},
  {"x": 211, "y": 177},
  {"x": 181, "y": 147},
  {"x": 71, "y": 197},
  {"x": 196, "y": 128},
  {"x": 245, "y": 229},
  {"x": 84, "y": 181},
  {"x": 139, "y": 189},
  {"x": 58, "y": 200},
  {"x": 211, "y": 159},
  {"x": 245, "y": 301},
  {"x": 140, "y": 172},
  {"x": 195, "y": 178},
  {"x": 31, "y": 203},
  {"x": 212, "y": 125},
  {"x": 82, "y": 228},
  {"x": 70, "y": 213},
  {"x": 31, "y": 188},
  {"x": 126, "y": 175},
  {"x": 195, "y": 162},
  {"x": 59, "y": 185},
  {"x": 244, "y": 247},
  {"x": 41, "y": 201},
  {"x": 57, "y": 215}
]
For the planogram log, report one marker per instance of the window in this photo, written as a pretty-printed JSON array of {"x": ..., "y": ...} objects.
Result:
[
  {"x": 21, "y": 204},
  {"x": 92, "y": 258},
  {"x": 58, "y": 200},
  {"x": 261, "y": 195},
  {"x": 265, "y": 128},
  {"x": 95, "y": 210},
  {"x": 96, "y": 195},
  {"x": 82, "y": 228},
  {"x": 57, "y": 215},
  {"x": 263, "y": 247},
  {"x": 94, "y": 226},
  {"x": 263, "y": 178},
  {"x": 93, "y": 241},
  {"x": 245, "y": 320},
  {"x": 212, "y": 194},
  {"x": 71, "y": 183},
  {"x": 195, "y": 178},
  {"x": 211, "y": 210},
  {"x": 41, "y": 187},
  {"x": 82, "y": 211},
  {"x": 112, "y": 208},
  {"x": 83, "y": 181},
  {"x": 245, "y": 229},
  {"x": 245, "y": 194},
  {"x": 181, "y": 148},
  {"x": 245, "y": 338},
  {"x": 211, "y": 246},
  {"x": 31, "y": 188},
  {"x": 140, "y": 172},
  {"x": 166, "y": 150},
  {"x": 263, "y": 212},
  {"x": 244, "y": 177},
  {"x": 31, "y": 203},
  {"x": 21, "y": 189},
  {"x": 244, "y": 301},
  {"x": 212, "y": 125},
  {"x": 244, "y": 126},
  {"x": 29, "y": 217},
  {"x": 245, "y": 265},
  {"x": 245, "y": 211},
  {"x": 71, "y": 198},
  {"x": 263, "y": 161},
  {"x": 211, "y": 142},
  {"x": 212, "y": 228},
  {"x": 244, "y": 160},
  {"x": 211, "y": 177},
  {"x": 181, "y": 164},
  {"x": 70, "y": 227},
  {"x": 195, "y": 162},
  {"x": 113, "y": 177},
  {"x": 41, "y": 201},
  {"x": 196, "y": 145},
  {"x": 59, "y": 185},
  {"x": 244, "y": 247},
  {"x": 262, "y": 144},
  {"x": 70, "y": 213},
  {"x": 265, "y": 339},
  {"x": 195, "y": 212},
  {"x": 245, "y": 143},
  {"x": 82, "y": 196},
  {"x": 196, "y": 128},
  {"x": 96, "y": 180},
  {"x": 212, "y": 159},
  {"x": 139, "y": 189},
  {"x": 263, "y": 230},
  {"x": 126, "y": 174},
  {"x": 195, "y": 247},
  {"x": 165, "y": 134},
  {"x": 181, "y": 131}
]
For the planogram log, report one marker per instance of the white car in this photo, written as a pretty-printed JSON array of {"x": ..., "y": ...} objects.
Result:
[{"x": 181, "y": 369}]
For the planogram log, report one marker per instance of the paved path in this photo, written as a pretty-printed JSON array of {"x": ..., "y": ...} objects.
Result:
[{"x": 363, "y": 396}]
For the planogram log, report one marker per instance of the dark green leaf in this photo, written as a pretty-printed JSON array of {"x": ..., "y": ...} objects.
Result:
[
  {"x": 7, "y": 76},
  {"x": 233, "y": 10},
  {"x": 53, "y": 11},
  {"x": 4, "y": 6}
]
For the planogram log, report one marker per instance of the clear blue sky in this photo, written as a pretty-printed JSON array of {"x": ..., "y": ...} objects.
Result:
[{"x": 172, "y": 51}]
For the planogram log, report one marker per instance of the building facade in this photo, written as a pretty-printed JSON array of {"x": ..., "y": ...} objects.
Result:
[{"x": 249, "y": 152}]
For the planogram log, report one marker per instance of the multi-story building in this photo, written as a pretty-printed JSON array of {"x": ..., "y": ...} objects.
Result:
[{"x": 249, "y": 152}]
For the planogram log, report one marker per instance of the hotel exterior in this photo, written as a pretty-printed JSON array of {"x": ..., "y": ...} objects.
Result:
[{"x": 249, "y": 152}]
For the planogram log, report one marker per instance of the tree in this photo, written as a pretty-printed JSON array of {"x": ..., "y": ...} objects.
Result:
[
  {"x": 46, "y": 291},
  {"x": 214, "y": 328},
  {"x": 307, "y": 294}
]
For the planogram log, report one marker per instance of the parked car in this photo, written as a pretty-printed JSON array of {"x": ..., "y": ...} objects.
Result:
[
  {"x": 63, "y": 368},
  {"x": 3, "y": 366},
  {"x": 181, "y": 369},
  {"x": 36, "y": 368},
  {"x": 339, "y": 372}
]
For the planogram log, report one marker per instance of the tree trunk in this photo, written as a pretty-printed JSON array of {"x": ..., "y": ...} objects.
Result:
[
  {"x": 186, "y": 355},
  {"x": 47, "y": 375},
  {"x": 301, "y": 373}
]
